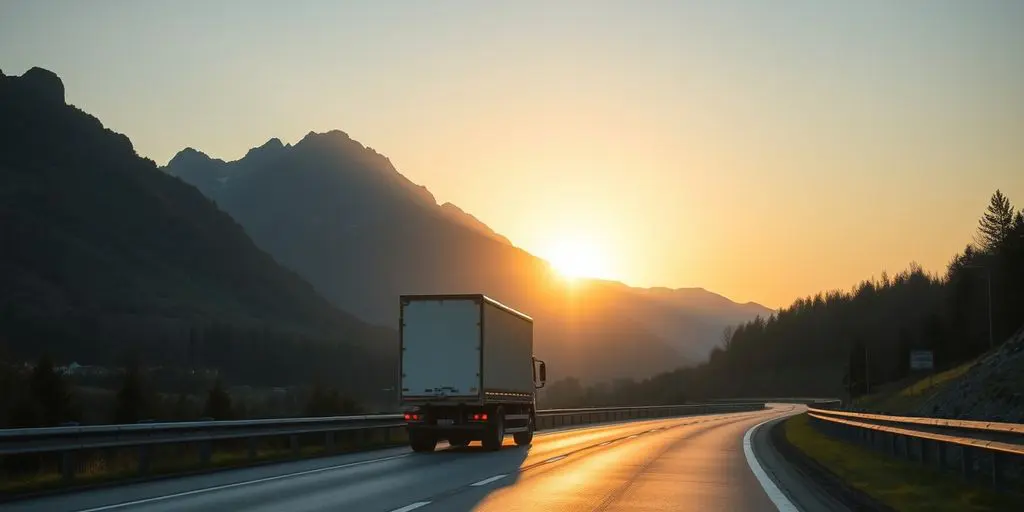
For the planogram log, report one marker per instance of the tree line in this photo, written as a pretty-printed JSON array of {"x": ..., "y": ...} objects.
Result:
[
  {"x": 840, "y": 343},
  {"x": 45, "y": 397}
]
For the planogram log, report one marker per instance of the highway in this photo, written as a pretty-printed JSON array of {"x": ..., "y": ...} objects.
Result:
[{"x": 678, "y": 464}]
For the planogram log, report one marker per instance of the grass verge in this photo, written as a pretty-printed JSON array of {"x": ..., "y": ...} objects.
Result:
[
  {"x": 907, "y": 399},
  {"x": 899, "y": 484}
]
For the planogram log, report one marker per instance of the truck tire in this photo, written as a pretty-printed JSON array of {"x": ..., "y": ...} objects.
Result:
[
  {"x": 458, "y": 441},
  {"x": 494, "y": 435},
  {"x": 525, "y": 438},
  {"x": 421, "y": 441}
]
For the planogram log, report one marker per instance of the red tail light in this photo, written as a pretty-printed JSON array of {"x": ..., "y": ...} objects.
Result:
[
  {"x": 412, "y": 417},
  {"x": 480, "y": 417}
]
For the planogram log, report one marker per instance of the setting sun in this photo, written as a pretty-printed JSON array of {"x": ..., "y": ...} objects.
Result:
[{"x": 576, "y": 257}]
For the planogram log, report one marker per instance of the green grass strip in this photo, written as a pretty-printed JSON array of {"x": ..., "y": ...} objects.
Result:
[{"x": 900, "y": 484}]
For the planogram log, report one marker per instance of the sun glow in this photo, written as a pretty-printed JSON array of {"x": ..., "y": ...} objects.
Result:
[{"x": 576, "y": 258}]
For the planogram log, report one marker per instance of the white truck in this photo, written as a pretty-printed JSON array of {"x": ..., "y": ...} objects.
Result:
[{"x": 467, "y": 371}]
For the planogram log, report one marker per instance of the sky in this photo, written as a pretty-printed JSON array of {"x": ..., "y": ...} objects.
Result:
[{"x": 762, "y": 150}]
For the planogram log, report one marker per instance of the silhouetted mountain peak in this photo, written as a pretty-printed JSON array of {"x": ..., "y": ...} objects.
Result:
[
  {"x": 270, "y": 148},
  {"x": 328, "y": 137},
  {"x": 44, "y": 84},
  {"x": 337, "y": 139},
  {"x": 190, "y": 156},
  {"x": 100, "y": 235},
  {"x": 272, "y": 144},
  {"x": 46, "y": 121}
]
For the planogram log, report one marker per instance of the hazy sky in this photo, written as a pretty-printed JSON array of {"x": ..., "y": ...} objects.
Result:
[{"x": 764, "y": 150}]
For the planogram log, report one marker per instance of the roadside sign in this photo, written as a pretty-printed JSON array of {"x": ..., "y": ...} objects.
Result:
[{"x": 921, "y": 360}]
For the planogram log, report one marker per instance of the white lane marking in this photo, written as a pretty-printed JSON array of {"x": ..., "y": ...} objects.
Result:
[
  {"x": 413, "y": 506},
  {"x": 555, "y": 459},
  {"x": 488, "y": 480},
  {"x": 632, "y": 436},
  {"x": 606, "y": 443},
  {"x": 240, "y": 484},
  {"x": 774, "y": 493}
]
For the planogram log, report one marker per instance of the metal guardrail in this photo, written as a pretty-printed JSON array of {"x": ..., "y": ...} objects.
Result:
[
  {"x": 830, "y": 402},
  {"x": 50, "y": 439},
  {"x": 971, "y": 445},
  {"x": 981, "y": 426},
  {"x": 66, "y": 441}
]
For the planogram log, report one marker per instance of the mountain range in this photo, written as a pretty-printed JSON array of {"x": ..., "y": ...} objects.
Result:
[
  {"x": 343, "y": 217},
  {"x": 283, "y": 265},
  {"x": 104, "y": 255}
]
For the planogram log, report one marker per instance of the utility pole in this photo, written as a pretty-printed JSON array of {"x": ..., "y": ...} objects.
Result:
[
  {"x": 988, "y": 282},
  {"x": 867, "y": 371},
  {"x": 988, "y": 278}
]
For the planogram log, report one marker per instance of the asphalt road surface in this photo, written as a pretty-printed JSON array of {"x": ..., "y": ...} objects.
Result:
[{"x": 680, "y": 464}]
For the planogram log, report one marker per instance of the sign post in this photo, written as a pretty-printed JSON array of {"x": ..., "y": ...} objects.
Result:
[{"x": 923, "y": 360}]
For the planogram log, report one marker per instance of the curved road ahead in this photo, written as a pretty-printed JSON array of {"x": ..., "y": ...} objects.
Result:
[{"x": 689, "y": 463}]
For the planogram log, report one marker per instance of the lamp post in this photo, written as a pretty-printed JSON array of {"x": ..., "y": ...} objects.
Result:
[{"x": 988, "y": 282}]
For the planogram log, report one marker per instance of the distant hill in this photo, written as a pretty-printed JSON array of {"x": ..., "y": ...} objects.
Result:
[
  {"x": 105, "y": 255},
  {"x": 344, "y": 218}
]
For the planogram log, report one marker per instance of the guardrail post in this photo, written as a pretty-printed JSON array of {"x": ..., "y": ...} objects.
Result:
[
  {"x": 294, "y": 441},
  {"x": 940, "y": 456},
  {"x": 387, "y": 435},
  {"x": 996, "y": 463},
  {"x": 252, "y": 448},
  {"x": 144, "y": 456},
  {"x": 329, "y": 441},
  {"x": 965, "y": 461},
  {"x": 205, "y": 452},
  {"x": 67, "y": 466}
]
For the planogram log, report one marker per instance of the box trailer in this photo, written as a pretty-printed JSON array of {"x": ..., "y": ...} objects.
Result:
[{"x": 468, "y": 372}]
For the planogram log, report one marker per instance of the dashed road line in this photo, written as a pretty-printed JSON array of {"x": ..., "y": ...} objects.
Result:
[
  {"x": 488, "y": 480},
  {"x": 412, "y": 506}
]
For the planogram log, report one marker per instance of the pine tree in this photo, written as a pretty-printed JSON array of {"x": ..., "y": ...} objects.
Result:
[
  {"x": 218, "y": 402},
  {"x": 131, "y": 400},
  {"x": 996, "y": 224},
  {"x": 51, "y": 394},
  {"x": 181, "y": 410}
]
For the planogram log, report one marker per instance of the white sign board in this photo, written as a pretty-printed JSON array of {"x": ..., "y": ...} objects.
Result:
[{"x": 921, "y": 360}]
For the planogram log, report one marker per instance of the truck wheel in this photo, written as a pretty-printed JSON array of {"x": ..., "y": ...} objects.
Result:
[
  {"x": 495, "y": 433},
  {"x": 458, "y": 441},
  {"x": 422, "y": 441},
  {"x": 525, "y": 438}
]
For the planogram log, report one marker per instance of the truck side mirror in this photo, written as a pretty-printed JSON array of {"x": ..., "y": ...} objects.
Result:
[{"x": 543, "y": 372}]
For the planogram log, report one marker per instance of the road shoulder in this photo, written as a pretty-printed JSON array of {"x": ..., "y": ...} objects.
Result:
[{"x": 808, "y": 485}]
